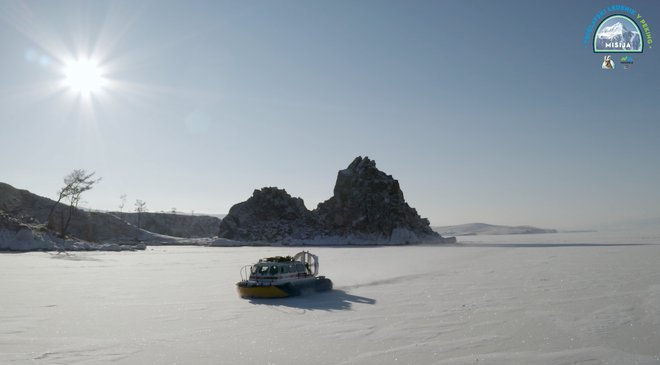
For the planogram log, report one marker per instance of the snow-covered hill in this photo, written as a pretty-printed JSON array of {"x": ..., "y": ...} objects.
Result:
[
  {"x": 472, "y": 229},
  {"x": 173, "y": 224},
  {"x": 23, "y": 218}
]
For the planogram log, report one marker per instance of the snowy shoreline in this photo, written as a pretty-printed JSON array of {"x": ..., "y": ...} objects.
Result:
[
  {"x": 26, "y": 240},
  {"x": 81, "y": 246}
]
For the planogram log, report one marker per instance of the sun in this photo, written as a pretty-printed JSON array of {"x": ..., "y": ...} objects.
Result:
[{"x": 83, "y": 76}]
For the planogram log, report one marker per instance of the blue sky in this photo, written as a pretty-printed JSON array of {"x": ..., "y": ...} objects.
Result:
[{"x": 484, "y": 111}]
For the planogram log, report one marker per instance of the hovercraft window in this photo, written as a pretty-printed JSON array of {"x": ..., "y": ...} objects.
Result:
[
  {"x": 273, "y": 270},
  {"x": 300, "y": 267},
  {"x": 263, "y": 270}
]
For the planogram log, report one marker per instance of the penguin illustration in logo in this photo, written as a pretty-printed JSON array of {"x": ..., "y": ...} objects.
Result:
[{"x": 608, "y": 64}]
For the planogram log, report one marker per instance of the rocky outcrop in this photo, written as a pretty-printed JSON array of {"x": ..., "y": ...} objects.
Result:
[
  {"x": 368, "y": 202},
  {"x": 271, "y": 214},
  {"x": 17, "y": 235},
  {"x": 367, "y": 207}
]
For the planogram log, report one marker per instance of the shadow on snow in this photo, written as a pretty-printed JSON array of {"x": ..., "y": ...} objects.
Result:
[{"x": 333, "y": 300}]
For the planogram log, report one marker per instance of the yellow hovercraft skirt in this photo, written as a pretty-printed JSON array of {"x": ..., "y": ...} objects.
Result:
[{"x": 268, "y": 291}]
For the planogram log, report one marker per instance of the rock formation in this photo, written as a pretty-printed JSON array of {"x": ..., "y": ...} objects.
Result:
[
  {"x": 368, "y": 202},
  {"x": 271, "y": 214},
  {"x": 367, "y": 207}
]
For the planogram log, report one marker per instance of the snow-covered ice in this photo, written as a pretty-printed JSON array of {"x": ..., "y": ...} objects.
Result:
[{"x": 579, "y": 298}]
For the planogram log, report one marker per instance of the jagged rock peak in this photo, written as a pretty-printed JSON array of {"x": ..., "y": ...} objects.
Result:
[
  {"x": 359, "y": 165},
  {"x": 368, "y": 201}
]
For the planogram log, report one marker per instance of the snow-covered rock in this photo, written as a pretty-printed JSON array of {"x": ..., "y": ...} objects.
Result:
[
  {"x": 109, "y": 247},
  {"x": 17, "y": 236},
  {"x": 24, "y": 240}
]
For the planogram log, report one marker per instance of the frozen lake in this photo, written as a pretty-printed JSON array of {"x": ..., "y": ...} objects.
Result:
[{"x": 579, "y": 298}]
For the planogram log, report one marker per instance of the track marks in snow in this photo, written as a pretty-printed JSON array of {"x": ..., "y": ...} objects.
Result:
[
  {"x": 582, "y": 356},
  {"x": 109, "y": 353},
  {"x": 607, "y": 319},
  {"x": 392, "y": 280},
  {"x": 651, "y": 306},
  {"x": 409, "y": 352}
]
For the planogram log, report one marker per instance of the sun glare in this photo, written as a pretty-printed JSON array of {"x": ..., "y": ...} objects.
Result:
[{"x": 83, "y": 76}]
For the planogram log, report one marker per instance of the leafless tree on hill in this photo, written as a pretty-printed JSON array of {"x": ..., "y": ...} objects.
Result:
[
  {"x": 75, "y": 183},
  {"x": 122, "y": 205},
  {"x": 140, "y": 206}
]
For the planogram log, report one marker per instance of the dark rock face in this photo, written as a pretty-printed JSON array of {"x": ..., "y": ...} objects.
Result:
[
  {"x": 10, "y": 223},
  {"x": 367, "y": 204},
  {"x": 271, "y": 214},
  {"x": 367, "y": 201}
]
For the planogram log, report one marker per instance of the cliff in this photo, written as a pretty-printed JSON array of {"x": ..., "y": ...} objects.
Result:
[{"x": 367, "y": 206}]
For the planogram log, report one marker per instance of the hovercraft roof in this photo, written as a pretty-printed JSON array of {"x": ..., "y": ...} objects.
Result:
[{"x": 277, "y": 259}]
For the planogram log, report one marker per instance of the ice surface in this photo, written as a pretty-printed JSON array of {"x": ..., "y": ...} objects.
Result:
[{"x": 496, "y": 301}]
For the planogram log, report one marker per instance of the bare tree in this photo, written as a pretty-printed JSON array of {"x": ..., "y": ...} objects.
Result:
[
  {"x": 75, "y": 183},
  {"x": 140, "y": 207},
  {"x": 122, "y": 205}
]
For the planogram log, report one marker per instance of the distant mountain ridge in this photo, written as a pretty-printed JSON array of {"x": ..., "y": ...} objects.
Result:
[{"x": 474, "y": 229}]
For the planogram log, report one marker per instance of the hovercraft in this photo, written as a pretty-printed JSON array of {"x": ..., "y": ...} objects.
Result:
[{"x": 282, "y": 276}]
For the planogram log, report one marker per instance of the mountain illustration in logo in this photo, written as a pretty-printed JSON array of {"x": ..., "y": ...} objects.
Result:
[{"x": 618, "y": 34}]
